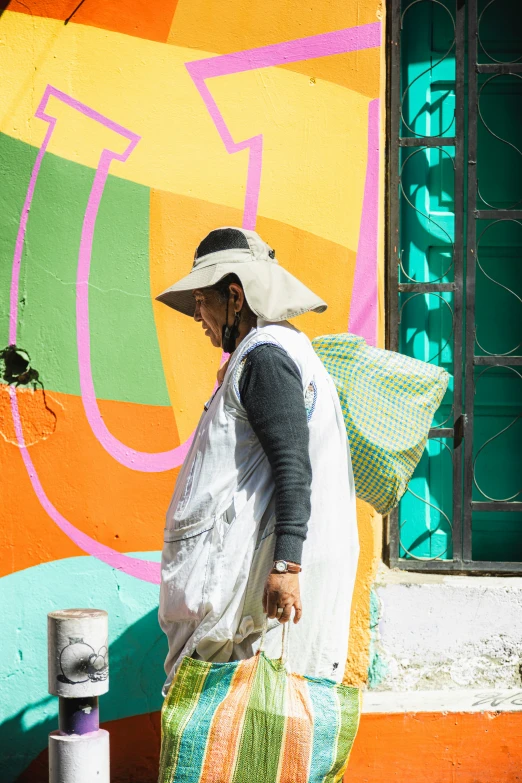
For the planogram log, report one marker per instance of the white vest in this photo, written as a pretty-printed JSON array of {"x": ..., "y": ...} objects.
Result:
[{"x": 219, "y": 536}]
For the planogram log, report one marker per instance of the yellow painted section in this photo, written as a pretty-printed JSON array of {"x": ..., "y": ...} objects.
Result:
[
  {"x": 314, "y": 147},
  {"x": 315, "y": 133},
  {"x": 139, "y": 84}
]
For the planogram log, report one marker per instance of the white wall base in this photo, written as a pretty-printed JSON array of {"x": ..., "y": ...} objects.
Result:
[
  {"x": 434, "y": 632},
  {"x": 442, "y": 701}
]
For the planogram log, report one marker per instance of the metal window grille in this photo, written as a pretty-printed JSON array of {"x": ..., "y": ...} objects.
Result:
[{"x": 477, "y": 72}]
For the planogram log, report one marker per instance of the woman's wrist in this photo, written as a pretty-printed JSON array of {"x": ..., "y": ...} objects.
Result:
[{"x": 285, "y": 567}]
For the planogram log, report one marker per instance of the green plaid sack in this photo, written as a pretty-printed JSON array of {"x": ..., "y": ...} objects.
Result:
[{"x": 388, "y": 402}]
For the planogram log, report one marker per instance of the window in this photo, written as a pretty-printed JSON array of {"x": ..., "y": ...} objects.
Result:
[{"x": 454, "y": 282}]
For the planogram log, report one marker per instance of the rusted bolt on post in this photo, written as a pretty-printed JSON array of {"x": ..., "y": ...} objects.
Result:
[{"x": 78, "y": 668}]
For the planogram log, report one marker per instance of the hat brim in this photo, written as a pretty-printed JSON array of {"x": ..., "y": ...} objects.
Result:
[{"x": 271, "y": 292}]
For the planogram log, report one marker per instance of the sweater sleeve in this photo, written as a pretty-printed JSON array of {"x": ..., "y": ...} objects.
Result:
[{"x": 272, "y": 393}]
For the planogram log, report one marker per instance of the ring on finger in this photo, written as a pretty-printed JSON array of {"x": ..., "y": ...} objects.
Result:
[{"x": 280, "y": 610}]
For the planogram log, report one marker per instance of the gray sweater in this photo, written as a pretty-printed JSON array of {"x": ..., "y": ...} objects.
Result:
[{"x": 272, "y": 394}]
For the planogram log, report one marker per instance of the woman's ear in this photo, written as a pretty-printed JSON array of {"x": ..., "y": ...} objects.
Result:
[{"x": 238, "y": 296}]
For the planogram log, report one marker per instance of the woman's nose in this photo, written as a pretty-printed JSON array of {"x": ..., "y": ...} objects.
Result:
[{"x": 197, "y": 314}]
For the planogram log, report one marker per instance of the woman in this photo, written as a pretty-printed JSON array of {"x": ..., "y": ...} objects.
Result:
[{"x": 262, "y": 519}]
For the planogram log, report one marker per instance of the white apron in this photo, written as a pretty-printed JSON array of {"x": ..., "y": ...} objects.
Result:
[{"x": 219, "y": 537}]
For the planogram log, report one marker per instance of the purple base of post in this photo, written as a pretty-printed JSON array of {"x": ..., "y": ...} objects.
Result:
[{"x": 79, "y": 716}]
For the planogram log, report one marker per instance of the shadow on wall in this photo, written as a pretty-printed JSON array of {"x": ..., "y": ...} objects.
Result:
[
  {"x": 134, "y": 740},
  {"x": 135, "y": 747}
]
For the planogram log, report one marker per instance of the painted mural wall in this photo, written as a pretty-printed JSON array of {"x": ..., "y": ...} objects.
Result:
[{"x": 127, "y": 132}]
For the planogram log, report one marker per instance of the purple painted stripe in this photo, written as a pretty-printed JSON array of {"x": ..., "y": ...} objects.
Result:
[
  {"x": 350, "y": 39},
  {"x": 363, "y": 307},
  {"x": 142, "y": 569},
  {"x": 143, "y": 461},
  {"x": 131, "y": 458},
  {"x": 79, "y": 715}
]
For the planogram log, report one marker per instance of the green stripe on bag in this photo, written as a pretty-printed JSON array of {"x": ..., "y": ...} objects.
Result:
[
  {"x": 348, "y": 707},
  {"x": 177, "y": 710},
  {"x": 263, "y": 729}
]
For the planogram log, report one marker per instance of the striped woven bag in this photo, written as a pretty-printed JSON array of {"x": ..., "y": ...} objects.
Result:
[
  {"x": 254, "y": 722},
  {"x": 388, "y": 402}
]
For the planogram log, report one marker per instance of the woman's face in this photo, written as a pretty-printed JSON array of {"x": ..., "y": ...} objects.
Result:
[{"x": 211, "y": 313}]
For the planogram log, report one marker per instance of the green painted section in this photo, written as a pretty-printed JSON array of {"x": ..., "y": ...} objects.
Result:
[
  {"x": 137, "y": 649},
  {"x": 125, "y": 358},
  {"x": 427, "y": 231}
]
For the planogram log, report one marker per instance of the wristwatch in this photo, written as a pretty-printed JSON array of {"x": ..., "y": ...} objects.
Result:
[{"x": 282, "y": 567}]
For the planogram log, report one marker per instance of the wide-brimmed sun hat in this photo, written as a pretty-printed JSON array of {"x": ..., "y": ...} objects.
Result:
[{"x": 271, "y": 292}]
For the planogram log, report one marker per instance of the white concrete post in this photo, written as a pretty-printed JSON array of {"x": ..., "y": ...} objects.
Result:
[{"x": 78, "y": 668}]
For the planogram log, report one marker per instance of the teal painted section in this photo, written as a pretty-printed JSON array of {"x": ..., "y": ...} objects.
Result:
[
  {"x": 126, "y": 359},
  {"x": 427, "y": 233},
  {"x": 136, "y": 654},
  {"x": 377, "y": 668}
]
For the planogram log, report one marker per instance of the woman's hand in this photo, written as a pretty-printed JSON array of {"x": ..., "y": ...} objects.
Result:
[{"x": 282, "y": 592}]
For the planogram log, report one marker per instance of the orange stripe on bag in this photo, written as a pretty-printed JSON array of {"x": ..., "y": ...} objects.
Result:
[
  {"x": 225, "y": 731},
  {"x": 298, "y": 736}
]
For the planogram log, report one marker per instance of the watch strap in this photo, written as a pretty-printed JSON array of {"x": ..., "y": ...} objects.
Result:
[{"x": 291, "y": 568}]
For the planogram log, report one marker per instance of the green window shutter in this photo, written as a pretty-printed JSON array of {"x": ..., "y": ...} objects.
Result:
[{"x": 441, "y": 524}]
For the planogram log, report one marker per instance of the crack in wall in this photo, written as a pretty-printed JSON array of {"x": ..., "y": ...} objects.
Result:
[{"x": 91, "y": 285}]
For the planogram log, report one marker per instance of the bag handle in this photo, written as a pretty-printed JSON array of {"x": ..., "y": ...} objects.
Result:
[{"x": 284, "y": 642}]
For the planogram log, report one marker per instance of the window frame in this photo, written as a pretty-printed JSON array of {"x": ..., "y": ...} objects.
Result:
[{"x": 460, "y": 430}]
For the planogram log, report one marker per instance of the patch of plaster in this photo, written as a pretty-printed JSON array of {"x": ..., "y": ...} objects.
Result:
[
  {"x": 462, "y": 632},
  {"x": 377, "y": 669},
  {"x": 39, "y": 419},
  {"x": 493, "y": 664}
]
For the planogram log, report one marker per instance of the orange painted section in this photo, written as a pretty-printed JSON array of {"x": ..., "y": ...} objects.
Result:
[
  {"x": 217, "y": 26},
  {"x": 121, "y": 508},
  {"x": 407, "y": 748},
  {"x": 140, "y": 18},
  {"x": 358, "y": 71},
  {"x": 370, "y": 536},
  {"x": 438, "y": 748}
]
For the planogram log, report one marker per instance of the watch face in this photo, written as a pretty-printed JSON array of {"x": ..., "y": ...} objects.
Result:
[{"x": 280, "y": 566}]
